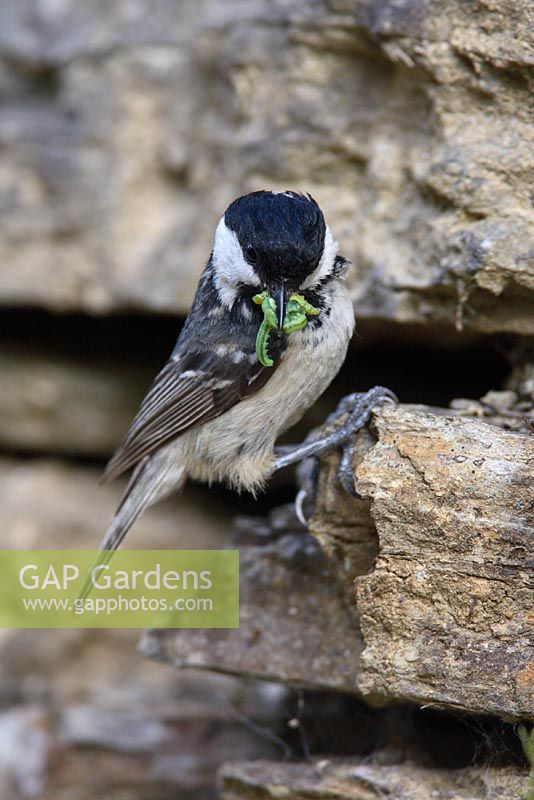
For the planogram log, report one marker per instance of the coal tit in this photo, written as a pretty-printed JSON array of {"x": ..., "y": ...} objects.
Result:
[{"x": 215, "y": 410}]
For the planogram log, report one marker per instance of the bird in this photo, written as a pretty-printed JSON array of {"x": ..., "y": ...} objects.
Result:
[{"x": 267, "y": 332}]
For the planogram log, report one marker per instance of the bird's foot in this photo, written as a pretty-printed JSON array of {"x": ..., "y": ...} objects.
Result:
[{"x": 352, "y": 414}]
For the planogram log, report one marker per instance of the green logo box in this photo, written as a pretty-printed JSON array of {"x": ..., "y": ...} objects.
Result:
[{"x": 126, "y": 589}]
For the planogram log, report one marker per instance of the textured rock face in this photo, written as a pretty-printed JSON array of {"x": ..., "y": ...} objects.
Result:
[
  {"x": 66, "y": 404},
  {"x": 446, "y": 613},
  {"x": 289, "y": 595},
  {"x": 353, "y": 780},
  {"x": 44, "y": 504},
  {"x": 81, "y": 716},
  {"x": 126, "y": 130}
]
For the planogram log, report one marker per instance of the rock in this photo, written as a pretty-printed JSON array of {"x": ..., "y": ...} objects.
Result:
[
  {"x": 80, "y": 752},
  {"x": 446, "y": 612},
  {"x": 343, "y": 525},
  {"x": 125, "y": 133},
  {"x": 122, "y": 731},
  {"x": 61, "y": 404},
  {"x": 500, "y": 401},
  {"x": 328, "y": 779},
  {"x": 522, "y": 382},
  {"x": 44, "y": 504},
  {"x": 288, "y": 598},
  {"x": 508, "y": 409},
  {"x": 175, "y": 745},
  {"x": 83, "y": 715},
  {"x": 25, "y": 747}
]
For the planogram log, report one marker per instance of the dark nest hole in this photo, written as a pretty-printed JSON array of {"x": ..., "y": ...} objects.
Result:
[{"x": 337, "y": 724}]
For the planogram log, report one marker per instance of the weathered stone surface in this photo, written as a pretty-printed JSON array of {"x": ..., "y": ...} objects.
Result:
[
  {"x": 24, "y": 751},
  {"x": 342, "y": 524},
  {"x": 59, "y": 404},
  {"x": 44, "y": 504},
  {"x": 290, "y": 595},
  {"x": 446, "y": 613},
  {"x": 356, "y": 780},
  {"x": 82, "y": 714},
  {"x": 112, "y": 725},
  {"x": 445, "y": 609},
  {"x": 126, "y": 130}
]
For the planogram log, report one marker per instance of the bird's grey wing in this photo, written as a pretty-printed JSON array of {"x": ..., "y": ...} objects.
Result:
[{"x": 189, "y": 391}]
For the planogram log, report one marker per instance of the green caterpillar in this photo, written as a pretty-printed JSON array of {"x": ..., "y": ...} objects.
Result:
[{"x": 296, "y": 318}]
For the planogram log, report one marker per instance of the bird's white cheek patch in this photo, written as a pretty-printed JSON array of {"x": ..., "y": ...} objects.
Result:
[{"x": 230, "y": 266}]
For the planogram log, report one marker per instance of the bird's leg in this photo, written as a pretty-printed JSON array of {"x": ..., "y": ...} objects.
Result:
[
  {"x": 355, "y": 412},
  {"x": 357, "y": 407}
]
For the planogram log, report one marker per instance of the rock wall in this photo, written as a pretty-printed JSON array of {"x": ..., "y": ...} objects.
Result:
[{"x": 126, "y": 128}]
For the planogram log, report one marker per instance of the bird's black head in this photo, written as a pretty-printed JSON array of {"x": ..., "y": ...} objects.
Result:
[
  {"x": 281, "y": 235},
  {"x": 273, "y": 241}
]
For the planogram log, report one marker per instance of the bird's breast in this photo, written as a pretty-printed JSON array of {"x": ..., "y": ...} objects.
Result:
[{"x": 238, "y": 446}]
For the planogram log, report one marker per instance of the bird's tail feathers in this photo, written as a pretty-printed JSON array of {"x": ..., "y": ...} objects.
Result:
[{"x": 144, "y": 489}]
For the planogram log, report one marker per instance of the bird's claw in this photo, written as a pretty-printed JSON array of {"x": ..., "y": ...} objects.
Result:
[
  {"x": 344, "y": 472},
  {"x": 307, "y": 476},
  {"x": 359, "y": 407}
]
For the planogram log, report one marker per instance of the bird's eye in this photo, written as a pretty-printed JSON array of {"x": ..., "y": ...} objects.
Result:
[{"x": 251, "y": 254}]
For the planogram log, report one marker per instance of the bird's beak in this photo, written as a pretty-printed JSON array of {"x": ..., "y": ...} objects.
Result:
[{"x": 281, "y": 306}]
